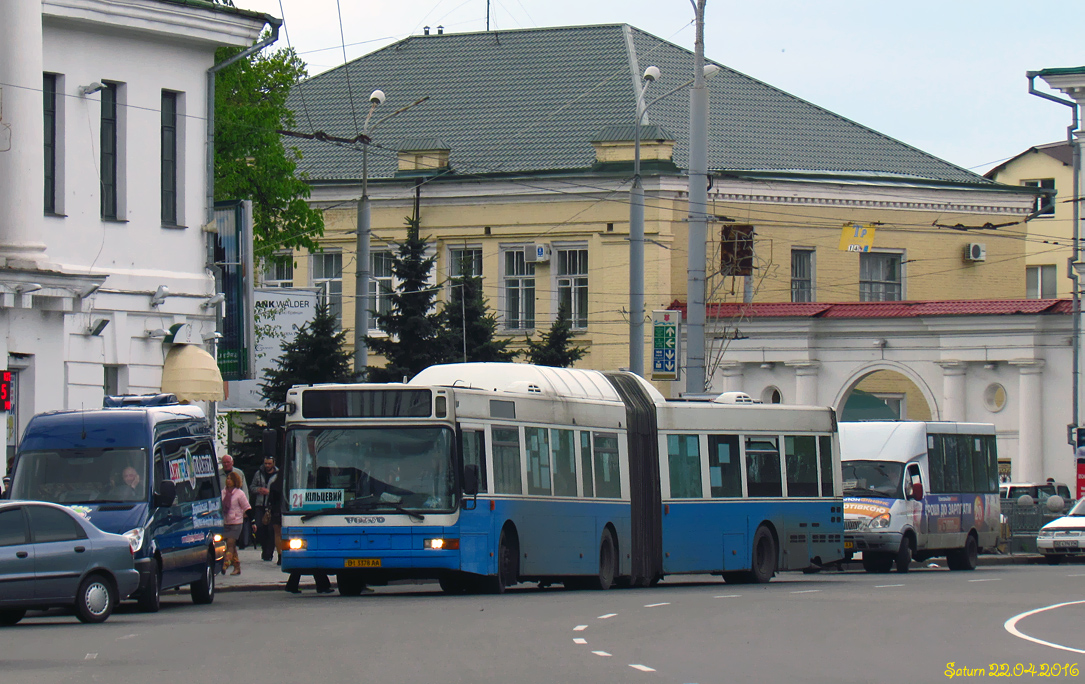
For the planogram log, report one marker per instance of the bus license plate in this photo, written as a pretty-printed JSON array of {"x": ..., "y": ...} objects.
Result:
[
  {"x": 848, "y": 545},
  {"x": 363, "y": 563},
  {"x": 1066, "y": 543}
]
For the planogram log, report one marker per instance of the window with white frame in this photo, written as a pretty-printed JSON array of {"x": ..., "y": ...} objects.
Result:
[
  {"x": 880, "y": 277},
  {"x": 464, "y": 261},
  {"x": 1040, "y": 282},
  {"x": 326, "y": 273},
  {"x": 518, "y": 290},
  {"x": 278, "y": 272},
  {"x": 572, "y": 276},
  {"x": 802, "y": 275},
  {"x": 381, "y": 284},
  {"x": 1044, "y": 205}
]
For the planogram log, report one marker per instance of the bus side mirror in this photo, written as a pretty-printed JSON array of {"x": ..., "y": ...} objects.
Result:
[
  {"x": 917, "y": 491},
  {"x": 470, "y": 479},
  {"x": 166, "y": 494},
  {"x": 269, "y": 443}
]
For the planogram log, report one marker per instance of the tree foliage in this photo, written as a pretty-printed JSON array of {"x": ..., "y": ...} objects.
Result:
[
  {"x": 251, "y": 161},
  {"x": 412, "y": 324},
  {"x": 555, "y": 348},
  {"x": 467, "y": 310}
]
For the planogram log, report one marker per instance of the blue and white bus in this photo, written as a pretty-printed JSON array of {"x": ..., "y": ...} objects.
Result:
[{"x": 485, "y": 475}]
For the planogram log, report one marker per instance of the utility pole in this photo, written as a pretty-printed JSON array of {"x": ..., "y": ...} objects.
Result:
[{"x": 698, "y": 219}]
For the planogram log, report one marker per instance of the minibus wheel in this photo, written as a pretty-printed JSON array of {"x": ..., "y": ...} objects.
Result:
[
  {"x": 203, "y": 591},
  {"x": 904, "y": 555},
  {"x": 150, "y": 600}
]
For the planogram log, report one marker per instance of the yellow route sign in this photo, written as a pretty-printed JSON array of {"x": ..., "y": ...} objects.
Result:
[{"x": 856, "y": 237}]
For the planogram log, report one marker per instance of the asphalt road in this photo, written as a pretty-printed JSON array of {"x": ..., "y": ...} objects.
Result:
[{"x": 830, "y": 627}]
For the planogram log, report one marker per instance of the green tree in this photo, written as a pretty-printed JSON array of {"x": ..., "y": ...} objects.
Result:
[
  {"x": 467, "y": 310},
  {"x": 555, "y": 348},
  {"x": 412, "y": 323},
  {"x": 251, "y": 161}
]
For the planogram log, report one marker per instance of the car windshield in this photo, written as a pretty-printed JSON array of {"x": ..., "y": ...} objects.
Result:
[
  {"x": 1039, "y": 492},
  {"x": 88, "y": 476},
  {"x": 1078, "y": 510},
  {"x": 378, "y": 468},
  {"x": 873, "y": 478}
]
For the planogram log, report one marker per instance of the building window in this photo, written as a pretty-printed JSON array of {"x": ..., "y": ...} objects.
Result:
[
  {"x": 381, "y": 284},
  {"x": 1044, "y": 206},
  {"x": 109, "y": 151},
  {"x": 464, "y": 262},
  {"x": 169, "y": 158},
  {"x": 880, "y": 277},
  {"x": 573, "y": 285},
  {"x": 278, "y": 273},
  {"x": 327, "y": 274},
  {"x": 802, "y": 275},
  {"x": 49, "y": 92},
  {"x": 1040, "y": 282},
  {"x": 519, "y": 291}
]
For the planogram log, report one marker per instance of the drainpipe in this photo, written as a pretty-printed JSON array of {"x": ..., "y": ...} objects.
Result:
[{"x": 1076, "y": 250}]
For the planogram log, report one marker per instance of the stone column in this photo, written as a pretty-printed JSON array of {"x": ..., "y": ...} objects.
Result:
[
  {"x": 22, "y": 168},
  {"x": 1028, "y": 465},
  {"x": 953, "y": 399},
  {"x": 732, "y": 376},
  {"x": 806, "y": 381}
]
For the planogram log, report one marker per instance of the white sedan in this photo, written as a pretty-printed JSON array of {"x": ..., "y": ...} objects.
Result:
[{"x": 1064, "y": 536}]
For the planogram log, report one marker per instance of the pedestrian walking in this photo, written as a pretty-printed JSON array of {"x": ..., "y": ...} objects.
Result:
[
  {"x": 234, "y": 507},
  {"x": 323, "y": 584},
  {"x": 228, "y": 467},
  {"x": 263, "y": 499}
]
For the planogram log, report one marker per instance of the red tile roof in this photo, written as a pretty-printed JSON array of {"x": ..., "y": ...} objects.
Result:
[{"x": 910, "y": 309}]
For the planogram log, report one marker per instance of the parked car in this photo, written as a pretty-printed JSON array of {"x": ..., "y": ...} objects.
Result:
[
  {"x": 1063, "y": 537},
  {"x": 52, "y": 556},
  {"x": 1039, "y": 491}
]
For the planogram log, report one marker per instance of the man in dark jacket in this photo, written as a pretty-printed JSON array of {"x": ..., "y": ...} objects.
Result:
[{"x": 265, "y": 494}]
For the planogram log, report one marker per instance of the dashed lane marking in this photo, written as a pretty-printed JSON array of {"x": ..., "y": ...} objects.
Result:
[
  {"x": 642, "y": 668},
  {"x": 91, "y": 656},
  {"x": 991, "y": 579},
  {"x": 601, "y": 653},
  {"x": 607, "y": 616},
  {"x": 886, "y": 586},
  {"x": 656, "y": 605},
  {"x": 1011, "y": 626},
  {"x": 580, "y": 628},
  {"x": 126, "y": 636},
  {"x": 807, "y": 591},
  {"x": 728, "y": 596},
  {"x": 579, "y": 640}
]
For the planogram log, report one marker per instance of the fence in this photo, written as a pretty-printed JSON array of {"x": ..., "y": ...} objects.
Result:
[{"x": 1021, "y": 523}]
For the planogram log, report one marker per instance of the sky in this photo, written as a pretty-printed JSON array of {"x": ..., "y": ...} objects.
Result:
[{"x": 947, "y": 76}]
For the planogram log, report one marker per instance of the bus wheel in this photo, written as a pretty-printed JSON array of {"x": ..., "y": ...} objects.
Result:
[
  {"x": 349, "y": 584},
  {"x": 764, "y": 556},
  {"x": 608, "y": 561},
  {"x": 453, "y": 584},
  {"x": 966, "y": 558},
  {"x": 904, "y": 555},
  {"x": 508, "y": 563}
]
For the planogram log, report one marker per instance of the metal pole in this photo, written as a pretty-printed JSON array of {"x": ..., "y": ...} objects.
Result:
[
  {"x": 1078, "y": 193},
  {"x": 698, "y": 205},
  {"x": 636, "y": 250},
  {"x": 361, "y": 278}
]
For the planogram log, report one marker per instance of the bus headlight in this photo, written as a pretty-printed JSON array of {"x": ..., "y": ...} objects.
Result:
[
  {"x": 880, "y": 522},
  {"x": 218, "y": 538},
  {"x": 135, "y": 539},
  {"x": 441, "y": 544},
  {"x": 296, "y": 544}
]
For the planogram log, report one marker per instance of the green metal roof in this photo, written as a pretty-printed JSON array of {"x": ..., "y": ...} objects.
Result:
[{"x": 531, "y": 101}]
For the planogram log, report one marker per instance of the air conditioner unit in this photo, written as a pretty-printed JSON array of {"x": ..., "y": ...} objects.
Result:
[
  {"x": 975, "y": 251},
  {"x": 538, "y": 254}
]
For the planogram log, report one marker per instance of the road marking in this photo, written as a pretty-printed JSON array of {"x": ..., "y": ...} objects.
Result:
[
  {"x": 807, "y": 591},
  {"x": 656, "y": 605},
  {"x": 992, "y": 579},
  {"x": 601, "y": 653},
  {"x": 886, "y": 586},
  {"x": 126, "y": 636},
  {"x": 1011, "y": 627},
  {"x": 91, "y": 656},
  {"x": 604, "y": 617},
  {"x": 580, "y": 641},
  {"x": 1075, "y": 575},
  {"x": 728, "y": 596},
  {"x": 580, "y": 628},
  {"x": 642, "y": 668}
]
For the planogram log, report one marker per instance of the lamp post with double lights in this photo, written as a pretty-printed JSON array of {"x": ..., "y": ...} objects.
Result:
[
  {"x": 361, "y": 267},
  {"x": 636, "y": 219}
]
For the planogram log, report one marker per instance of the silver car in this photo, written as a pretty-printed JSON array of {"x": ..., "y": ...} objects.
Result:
[
  {"x": 1063, "y": 537},
  {"x": 51, "y": 556}
]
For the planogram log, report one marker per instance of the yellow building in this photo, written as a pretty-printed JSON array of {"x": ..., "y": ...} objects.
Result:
[
  {"x": 1050, "y": 231},
  {"x": 521, "y": 158}
]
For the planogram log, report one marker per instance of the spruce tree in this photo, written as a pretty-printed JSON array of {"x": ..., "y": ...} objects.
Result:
[
  {"x": 413, "y": 323},
  {"x": 555, "y": 347},
  {"x": 467, "y": 308}
]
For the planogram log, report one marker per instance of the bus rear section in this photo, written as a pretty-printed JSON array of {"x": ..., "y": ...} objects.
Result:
[{"x": 919, "y": 490}]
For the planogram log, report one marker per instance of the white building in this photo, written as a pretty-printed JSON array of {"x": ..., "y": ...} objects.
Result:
[{"x": 117, "y": 92}]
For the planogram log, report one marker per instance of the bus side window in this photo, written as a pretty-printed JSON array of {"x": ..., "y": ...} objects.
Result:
[
  {"x": 684, "y": 465},
  {"x": 538, "y": 460},
  {"x": 825, "y": 449},
  {"x": 564, "y": 455},
  {"x": 506, "y": 446},
  {"x": 473, "y": 447},
  {"x": 979, "y": 464},
  {"x": 763, "y": 467},
  {"x": 585, "y": 464},
  {"x": 935, "y": 461},
  {"x": 724, "y": 467},
  {"x": 992, "y": 463},
  {"x": 801, "y": 464},
  {"x": 607, "y": 466}
]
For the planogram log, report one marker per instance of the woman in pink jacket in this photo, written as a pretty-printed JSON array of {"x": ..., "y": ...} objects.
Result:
[{"x": 234, "y": 506}]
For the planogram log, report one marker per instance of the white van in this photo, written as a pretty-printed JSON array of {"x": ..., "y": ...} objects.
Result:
[{"x": 916, "y": 490}]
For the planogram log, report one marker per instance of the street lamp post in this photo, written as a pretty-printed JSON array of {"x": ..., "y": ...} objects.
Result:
[{"x": 636, "y": 220}]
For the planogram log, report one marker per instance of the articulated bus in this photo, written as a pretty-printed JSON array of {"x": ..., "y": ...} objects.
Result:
[{"x": 484, "y": 475}]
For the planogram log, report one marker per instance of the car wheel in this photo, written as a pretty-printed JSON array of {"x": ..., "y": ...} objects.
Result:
[
  {"x": 10, "y": 617},
  {"x": 150, "y": 599},
  {"x": 95, "y": 599},
  {"x": 1053, "y": 560},
  {"x": 203, "y": 591}
]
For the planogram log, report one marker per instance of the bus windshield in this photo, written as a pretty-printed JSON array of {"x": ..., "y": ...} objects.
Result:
[
  {"x": 873, "y": 478},
  {"x": 84, "y": 476},
  {"x": 370, "y": 468}
]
